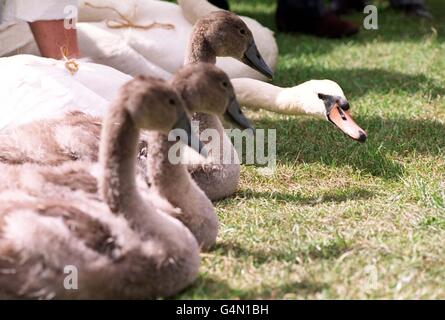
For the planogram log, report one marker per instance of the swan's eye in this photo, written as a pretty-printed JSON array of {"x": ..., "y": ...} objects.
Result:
[
  {"x": 171, "y": 102},
  {"x": 225, "y": 84},
  {"x": 322, "y": 96},
  {"x": 242, "y": 31}
]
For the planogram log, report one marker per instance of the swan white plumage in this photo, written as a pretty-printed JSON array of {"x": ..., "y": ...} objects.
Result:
[
  {"x": 34, "y": 88},
  {"x": 156, "y": 51}
]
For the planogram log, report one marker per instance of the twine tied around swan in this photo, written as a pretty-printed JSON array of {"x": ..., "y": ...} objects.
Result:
[
  {"x": 125, "y": 22},
  {"x": 70, "y": 64}
]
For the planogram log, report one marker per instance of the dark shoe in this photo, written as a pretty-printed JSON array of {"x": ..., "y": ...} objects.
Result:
[
  {"x": 223, "y": 4},
  {"x": 345, "y": 6},
  {"x": 326, "y": 26},
  {"x": 416, "y": 10}
]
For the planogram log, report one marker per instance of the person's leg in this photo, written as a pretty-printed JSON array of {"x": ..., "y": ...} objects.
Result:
[
  {"x": 309, "y": 16},
  {"x": 223, "y": 4},
  {"x": 51, "y": 36},
  {"x": 412, "y": 7}
]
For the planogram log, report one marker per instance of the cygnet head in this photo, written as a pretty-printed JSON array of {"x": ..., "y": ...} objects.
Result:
[
  {"x": 154, "y": 104},
  {"x": 224, "y": 34},
  {"x": 207, "y": 89}
]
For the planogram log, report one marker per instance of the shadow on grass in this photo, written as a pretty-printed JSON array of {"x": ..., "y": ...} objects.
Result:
[
  {"x": 328, "y": 249},
  {"x": 357, "y": 82},
  {"x": 220, "y": 289},
  {"x": 258, "y": 256},
  {"x": 332, "y": 196},
  {"x": 315, "y": 141}
]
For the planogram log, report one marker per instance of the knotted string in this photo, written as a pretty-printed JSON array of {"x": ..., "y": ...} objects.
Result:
[
  {"x": 125, "y": 22},
  {"x": 71, "y": 64}
]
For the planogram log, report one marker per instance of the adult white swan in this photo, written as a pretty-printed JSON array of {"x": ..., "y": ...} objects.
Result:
[
  {"x": 150, "y": 37},
  {"x": 150, "y": 51},
  {"x": 34, "y": 88}
]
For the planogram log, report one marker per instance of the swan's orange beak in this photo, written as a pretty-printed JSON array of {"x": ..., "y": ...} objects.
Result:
[{"x": 343, "y": 120}]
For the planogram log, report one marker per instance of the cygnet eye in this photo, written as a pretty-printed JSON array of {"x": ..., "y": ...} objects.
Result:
[
  {"x": 172, "y": 101},
  {"x": 225, "y": 84},
  {"x": 242, "y": 31}
]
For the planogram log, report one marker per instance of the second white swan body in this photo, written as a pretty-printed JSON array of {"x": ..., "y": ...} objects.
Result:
[{"x": 155, "y": 51}]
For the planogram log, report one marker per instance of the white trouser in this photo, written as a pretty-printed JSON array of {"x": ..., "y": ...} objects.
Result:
[
  {"x": 17, "y": 38},
  {"x": 15, "y": 34}
]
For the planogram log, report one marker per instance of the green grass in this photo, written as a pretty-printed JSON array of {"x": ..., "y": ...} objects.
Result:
[{"x": 339, "y": 219}]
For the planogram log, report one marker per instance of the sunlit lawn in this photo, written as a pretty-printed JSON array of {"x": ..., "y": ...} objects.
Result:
[{"x": 340, "y": 219}]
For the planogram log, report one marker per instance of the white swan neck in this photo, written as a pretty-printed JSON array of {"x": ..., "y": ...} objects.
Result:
[{"x": 256, "y": 94}]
